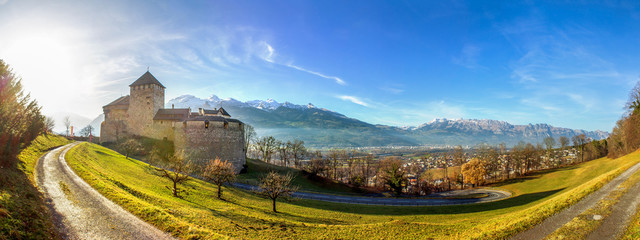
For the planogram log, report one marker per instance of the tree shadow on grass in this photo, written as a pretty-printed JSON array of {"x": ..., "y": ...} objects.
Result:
[{"x": 413, "y": 210}]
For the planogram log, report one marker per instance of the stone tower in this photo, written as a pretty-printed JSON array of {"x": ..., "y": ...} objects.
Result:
[{"x": 146, "y": 98}]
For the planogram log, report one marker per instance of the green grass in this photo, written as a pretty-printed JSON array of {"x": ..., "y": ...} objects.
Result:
[
  {"x": 23, "y": 213},
  {"x": 131, "y": 184},
  {"x": 257, "y": 169}
]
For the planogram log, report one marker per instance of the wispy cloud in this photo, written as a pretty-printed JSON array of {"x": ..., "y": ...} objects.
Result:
[
  {"x": 336, "y": 79},
  {"x": 468, "y": 57},
  {"x": 392, "y": 90},
  {"x": 268, "y": 54},
  {"x": 353, "y": 99}
]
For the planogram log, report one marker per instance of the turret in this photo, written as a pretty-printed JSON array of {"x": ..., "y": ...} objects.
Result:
[{"x": 146, "y": 98}]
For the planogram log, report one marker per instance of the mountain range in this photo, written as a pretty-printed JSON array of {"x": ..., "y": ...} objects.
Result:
[{"x": 320, "y": 127}]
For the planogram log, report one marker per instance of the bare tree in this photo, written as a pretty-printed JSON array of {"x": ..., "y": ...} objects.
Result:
[
  {"x": 176, "y": 168},
  {"x": 317, "y": 165},
  {"x": 219, "y": 173},
  {"x": 297, "y": 151},
  {"x": 368, "y": 168},
  {"x": 67, "y": 124},
  {"x": 129, "y": 147},
  {"x": 579, "y": 141},
  {"x": 49, "y": 124},
  {"x": 87, "y": 131},
  {"x": 274, "y": 186},
  {"x": 266, "y": 146},
  {"x": 549, "y": 143},
  {"x": 284, "y": 152},
  {"x": 564, "y": 142},
  {"x": 249, "y": 136}
]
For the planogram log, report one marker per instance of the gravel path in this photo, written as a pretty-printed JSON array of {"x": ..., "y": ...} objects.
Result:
[
  {"x": 615, "y": 224},
  {"x": 80, "y": 212},
  {"x": 493, "y": 195},
  {"x": 556, "y": 221}
]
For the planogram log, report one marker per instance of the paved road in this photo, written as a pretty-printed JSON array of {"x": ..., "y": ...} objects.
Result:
[
  {"x": 556, "y": 221},
  {"x": 80, "y": 212},
  {"x": 615, "y": 224},
  {"x": 494, "y": 195}
]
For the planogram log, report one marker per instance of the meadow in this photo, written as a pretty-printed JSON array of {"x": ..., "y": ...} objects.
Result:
[
  {"x": 242, "y": 214},
  {"x": 23, "y": 213}
]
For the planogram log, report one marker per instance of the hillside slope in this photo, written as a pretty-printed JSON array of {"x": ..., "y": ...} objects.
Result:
[{"x": 241, "y": 214}]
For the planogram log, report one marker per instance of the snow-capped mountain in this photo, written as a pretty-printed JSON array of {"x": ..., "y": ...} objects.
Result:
[
  {"x": 185, "y": 101},
  {"x": 325, "y": 128}
]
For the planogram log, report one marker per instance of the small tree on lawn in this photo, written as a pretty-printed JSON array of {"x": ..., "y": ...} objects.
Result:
[
  {"x": 474, "y": 172},
  {"x": 219, "y": 173},
  {"x": 176, "y": 168},
  {"x": 129, "y": 147},
  {"x": 274, "y": 186}
]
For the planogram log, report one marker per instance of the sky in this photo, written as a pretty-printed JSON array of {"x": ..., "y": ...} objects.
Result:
[{"x": 400, "y": 63}]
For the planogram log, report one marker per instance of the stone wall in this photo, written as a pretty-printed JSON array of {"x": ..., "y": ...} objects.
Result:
[
  {"x": 204, "y": 144},
  {"x": 144, "y": 102},
  {"x": 164, "y": 130},
  {"x": 114, "y": 125}
]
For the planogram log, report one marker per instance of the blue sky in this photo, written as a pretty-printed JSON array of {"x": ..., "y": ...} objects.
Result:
[{"x": 569, "y": 64}]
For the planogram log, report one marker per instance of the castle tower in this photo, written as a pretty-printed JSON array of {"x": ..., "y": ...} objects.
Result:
[{"x": 146, "y": 98}]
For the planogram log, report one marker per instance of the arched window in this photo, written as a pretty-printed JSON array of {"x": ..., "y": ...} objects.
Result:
[{"x": 206, "y": 124}]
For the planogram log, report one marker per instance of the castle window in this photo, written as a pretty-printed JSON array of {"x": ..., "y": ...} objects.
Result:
[
  {"x": 226, "y": 125},
  {"x": 206, "y": 124}
]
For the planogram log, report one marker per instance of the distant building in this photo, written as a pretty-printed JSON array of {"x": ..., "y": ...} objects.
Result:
[{"x": 205, "y": 134}]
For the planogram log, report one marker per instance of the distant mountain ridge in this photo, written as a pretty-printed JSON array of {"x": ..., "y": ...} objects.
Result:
[{"x": 321, "y": 127}]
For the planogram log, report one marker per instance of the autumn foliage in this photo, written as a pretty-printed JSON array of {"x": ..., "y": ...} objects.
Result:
[{"x": 474, "y": 172}]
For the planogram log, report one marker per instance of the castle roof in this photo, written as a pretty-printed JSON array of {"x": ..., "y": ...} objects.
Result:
[
  {"x": 121, "y": 101},
  {"x": 146, "y": 78},
  {"x": 212, "y": 119},
  {"x": 177, "y": 114},
  {"x": 214, "y": 112}
]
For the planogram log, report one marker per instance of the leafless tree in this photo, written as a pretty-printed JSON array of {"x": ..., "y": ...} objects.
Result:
[
  {"x": 284, "y": 152},
  {"x": 266, "y": 146},
  {"x": 49, "y": 124},
  {"x": 297, "y": 151},
  {"x": 129, "y": 146},
  {"x": 176, "y": 168},
  {"x": 274, "y": 186},
  {"x": 249, "y": 136},
  {"x": 219, "y": 173},
  {"x": 67, "y": 124},
  {"x": 579, "y": 141},
  {"x": 564, "y": 142}
]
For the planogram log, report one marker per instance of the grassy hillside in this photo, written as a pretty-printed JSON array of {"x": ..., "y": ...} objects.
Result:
[
  {"x": 258, "y": 168},
  {"x": 243, "y": 215},
  {"x": 23, "y": 214}
]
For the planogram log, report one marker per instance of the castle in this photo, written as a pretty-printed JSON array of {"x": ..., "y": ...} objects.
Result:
[{"x": 204, "y": 134}]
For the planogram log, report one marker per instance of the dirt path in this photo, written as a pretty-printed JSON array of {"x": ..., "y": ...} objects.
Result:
[
  {"x": 621, "y": 213},
  {"x": 556, "y": 221},
  {"x": 80, "y": 212},
  {"x": 492, "y": 195}
]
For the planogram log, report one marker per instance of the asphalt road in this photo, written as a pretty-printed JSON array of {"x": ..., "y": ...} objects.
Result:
[
  {"x": 621, "y": 213},
  {"x": 493, "y": 195},
  {"x": 556, "y": 221},
  {"x": 80, "y": 212}
]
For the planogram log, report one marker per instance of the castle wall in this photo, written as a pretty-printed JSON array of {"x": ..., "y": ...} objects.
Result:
[
  {"x": 114, "y": 125},
  {"x": 164, "y": 129},
  {"x": 145, "y": 100},
  {"x": 215, "y": 141}
]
